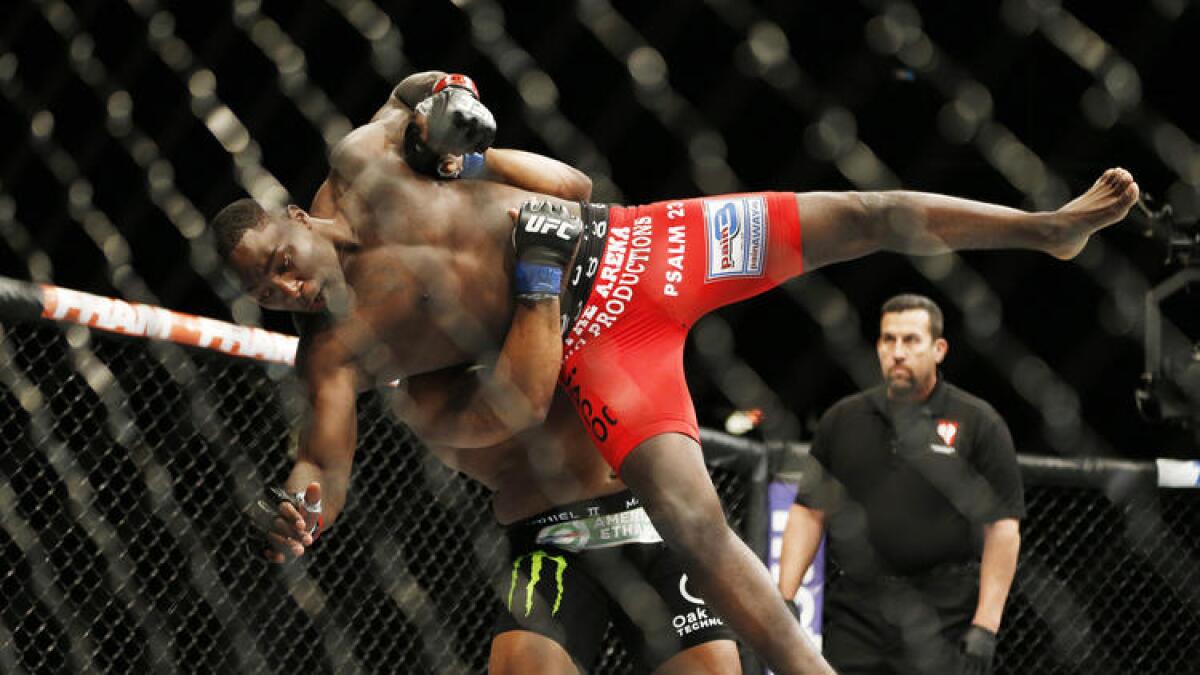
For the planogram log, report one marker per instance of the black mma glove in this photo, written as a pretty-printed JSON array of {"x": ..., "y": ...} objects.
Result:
[
  {"x": 456, "y": 122},
  {"x": 794, "y": 610},
  {"x": 978, "y": 650},
  {"x": 457, "y": 126},
  {"x": 545, "y": 238}
]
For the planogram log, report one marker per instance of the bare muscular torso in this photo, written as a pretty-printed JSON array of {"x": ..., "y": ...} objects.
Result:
[
  {"x": 547, "y": 466},
  {"x": 431, "y": 282}
]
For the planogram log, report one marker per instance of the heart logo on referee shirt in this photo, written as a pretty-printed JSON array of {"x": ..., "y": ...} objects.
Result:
[{"x": 947, "y": 431}]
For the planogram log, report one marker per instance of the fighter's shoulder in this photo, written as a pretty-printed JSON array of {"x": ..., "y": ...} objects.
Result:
[
  {"x": 369, "y": 140},
  {"x": 316, "y": 332}
]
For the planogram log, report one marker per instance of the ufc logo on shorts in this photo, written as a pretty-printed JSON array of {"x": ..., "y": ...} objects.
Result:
[{"x": 546, "y": 225}]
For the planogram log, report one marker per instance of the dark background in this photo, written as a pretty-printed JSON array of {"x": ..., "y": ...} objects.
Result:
[{"x": 1056, "y": 347}]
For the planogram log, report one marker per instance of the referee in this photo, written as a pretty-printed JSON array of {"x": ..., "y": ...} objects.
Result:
[{"x": 921, "y": 497}]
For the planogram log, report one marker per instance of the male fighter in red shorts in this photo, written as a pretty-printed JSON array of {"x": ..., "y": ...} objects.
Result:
[{"x": 417, "y": 273}]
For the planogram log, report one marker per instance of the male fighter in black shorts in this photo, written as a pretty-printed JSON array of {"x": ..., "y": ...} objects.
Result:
[{"x": 583, "y": 554}]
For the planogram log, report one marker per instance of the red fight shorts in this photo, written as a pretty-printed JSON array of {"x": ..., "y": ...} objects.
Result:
[{"x": 663, "y": 267}]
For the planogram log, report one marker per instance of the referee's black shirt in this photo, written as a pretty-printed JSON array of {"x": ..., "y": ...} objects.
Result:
[{"x": 909, "y": 487}]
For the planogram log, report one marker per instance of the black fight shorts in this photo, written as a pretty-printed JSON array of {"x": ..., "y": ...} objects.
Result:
[{"x": 575, "y": 569}]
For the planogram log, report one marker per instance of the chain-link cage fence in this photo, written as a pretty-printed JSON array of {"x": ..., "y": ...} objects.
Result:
[
  {"x": 1107, "y": 571},
  {"x": 1104, "y": 585},
  {"x": 126, "y": 468}
]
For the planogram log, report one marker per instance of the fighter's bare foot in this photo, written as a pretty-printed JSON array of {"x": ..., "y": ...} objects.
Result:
[{"x": 1105, "y": 203}]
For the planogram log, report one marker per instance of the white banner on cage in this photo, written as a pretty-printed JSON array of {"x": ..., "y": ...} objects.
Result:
[
  {"x": 1178, "y": 473},
  {"x": 138, "y": 320}
]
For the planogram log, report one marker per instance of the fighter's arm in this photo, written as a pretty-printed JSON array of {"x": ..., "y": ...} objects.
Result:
[
  {"x": 325, "y": 454},
  {"x": 520, "y": 169},
  {"x": 515, "y": 394},
  {"x": 484, "y": 405},
  {"x": 536, "y": 173}
]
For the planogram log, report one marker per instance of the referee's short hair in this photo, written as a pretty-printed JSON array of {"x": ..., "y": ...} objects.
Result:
[{"x": 907, "y": 301}]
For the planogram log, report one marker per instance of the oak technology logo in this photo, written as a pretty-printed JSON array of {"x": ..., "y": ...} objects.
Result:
[
  {"x": 698, "y": 618},
  {"x": 537, "y": 560}
]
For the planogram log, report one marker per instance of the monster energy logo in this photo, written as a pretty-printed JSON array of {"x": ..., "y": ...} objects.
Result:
[{"x": 535, "y": 575}]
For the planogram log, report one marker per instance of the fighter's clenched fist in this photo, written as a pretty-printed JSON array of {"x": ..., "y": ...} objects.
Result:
[
  {"x": 292, "y": 522},
  {"x": 545, "y": 235}
]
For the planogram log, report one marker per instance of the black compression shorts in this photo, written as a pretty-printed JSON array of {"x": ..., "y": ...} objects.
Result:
[{"x": 574, "y": 569}]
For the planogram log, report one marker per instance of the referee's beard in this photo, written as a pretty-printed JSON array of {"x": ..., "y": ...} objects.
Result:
[{"x": 903, "y": 385}]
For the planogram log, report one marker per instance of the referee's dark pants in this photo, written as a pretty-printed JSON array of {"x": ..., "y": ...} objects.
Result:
[{"x": 906, "y": 625}]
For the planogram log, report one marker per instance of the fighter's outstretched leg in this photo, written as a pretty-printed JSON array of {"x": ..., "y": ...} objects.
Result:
[
  {"x": 667, "y": 474},
  {"x": 1106, "y": 202},
  {"x": 845, "y": 225}
]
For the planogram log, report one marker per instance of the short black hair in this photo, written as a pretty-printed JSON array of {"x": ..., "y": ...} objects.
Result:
[
  {"x": 907, "y": 301},
  {"x": 231, "y": 223}
]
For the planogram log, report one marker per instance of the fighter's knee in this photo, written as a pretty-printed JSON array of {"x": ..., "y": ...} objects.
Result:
[
  {"x": 884, "y": 220},
  {"x": 518, "y": 652}
]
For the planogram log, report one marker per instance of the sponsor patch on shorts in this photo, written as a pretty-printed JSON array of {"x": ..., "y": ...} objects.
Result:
[{"x": 736, "y": 236}]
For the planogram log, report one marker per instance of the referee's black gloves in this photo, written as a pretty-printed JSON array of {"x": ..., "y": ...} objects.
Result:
[{"x": 979, "y": 647}]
